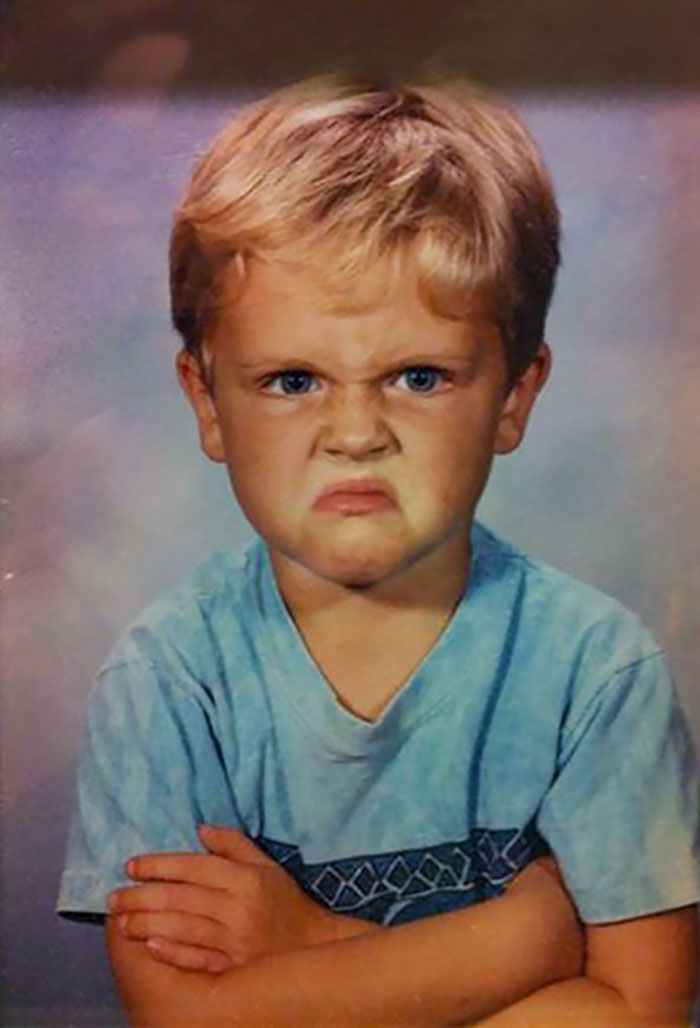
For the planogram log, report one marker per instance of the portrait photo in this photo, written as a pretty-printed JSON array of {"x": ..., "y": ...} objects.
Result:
[{"x": 257, "y": 482}]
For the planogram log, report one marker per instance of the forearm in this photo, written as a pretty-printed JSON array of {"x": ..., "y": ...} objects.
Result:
[
  {"x": 444, "y": 970},
  {"x": 578, "y": 1003}
]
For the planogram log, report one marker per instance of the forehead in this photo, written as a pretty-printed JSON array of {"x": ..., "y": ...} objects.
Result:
[{"x": 283, "y": 307}]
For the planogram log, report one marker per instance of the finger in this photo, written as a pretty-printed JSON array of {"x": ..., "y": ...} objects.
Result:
[
  {"x": 232, "y": 844},
  {"x": 187, "y": 899},
  {"x": 187, "y": 929},
  {"x": 188, "y": 958},
  {"x": 207, "y": 869}
]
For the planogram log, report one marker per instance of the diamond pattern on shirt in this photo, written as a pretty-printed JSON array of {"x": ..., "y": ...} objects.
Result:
[{"x": 413, "y": 882}]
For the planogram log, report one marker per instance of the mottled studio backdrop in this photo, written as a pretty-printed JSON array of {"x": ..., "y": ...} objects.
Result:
[{"x": 106, "y": 501}]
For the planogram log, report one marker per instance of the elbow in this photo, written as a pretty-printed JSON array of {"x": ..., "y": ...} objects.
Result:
[
  {"x": 191, "y": 1003},
  {"x": 155, "y": 995}
]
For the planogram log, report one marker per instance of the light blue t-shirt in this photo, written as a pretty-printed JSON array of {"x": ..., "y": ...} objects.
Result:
[{"x": 544, "y": 717}]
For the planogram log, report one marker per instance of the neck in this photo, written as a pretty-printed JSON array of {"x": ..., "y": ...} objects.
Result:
[{"x": 433, "y": 584}]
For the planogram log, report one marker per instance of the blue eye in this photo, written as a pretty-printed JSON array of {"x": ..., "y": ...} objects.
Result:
[
  {"x": 293, "y": 382},
  {"x": 422, "y": 379}
]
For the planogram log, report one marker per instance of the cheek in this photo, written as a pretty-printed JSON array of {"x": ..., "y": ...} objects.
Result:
[
  {"x": 458, "y": 457},
  {"x": 248, "y": 437},
  {"x": 263, "y": 456}
]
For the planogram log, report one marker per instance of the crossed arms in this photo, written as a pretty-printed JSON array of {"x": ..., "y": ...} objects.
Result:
[{"x": 228, "y": 939}]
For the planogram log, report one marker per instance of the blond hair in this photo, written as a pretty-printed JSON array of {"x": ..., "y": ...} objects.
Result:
[{"x": 337, "y": 175}]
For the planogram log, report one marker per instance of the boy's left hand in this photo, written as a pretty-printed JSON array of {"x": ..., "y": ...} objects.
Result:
[{"x": 217, "y": 910}]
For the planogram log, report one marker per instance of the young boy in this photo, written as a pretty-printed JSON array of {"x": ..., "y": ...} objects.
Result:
[{"x": 391, "y": 714}]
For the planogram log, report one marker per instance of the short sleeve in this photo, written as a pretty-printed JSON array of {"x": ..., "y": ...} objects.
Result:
[
  {"x": 622, "y": 814},
  {"x": 150, "y": 772}
]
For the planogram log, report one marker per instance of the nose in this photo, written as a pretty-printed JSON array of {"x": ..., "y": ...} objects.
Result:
[{"x": 353, "y": 425}]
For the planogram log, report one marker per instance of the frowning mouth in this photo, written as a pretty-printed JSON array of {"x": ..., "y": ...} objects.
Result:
[{"x": 356, "y": 496}]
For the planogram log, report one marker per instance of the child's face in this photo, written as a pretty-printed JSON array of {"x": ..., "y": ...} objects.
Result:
[{"x": 308, "y": 397}]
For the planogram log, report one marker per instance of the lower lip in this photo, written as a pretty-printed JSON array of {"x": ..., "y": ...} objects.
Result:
[{"x": 354, "y": 503}]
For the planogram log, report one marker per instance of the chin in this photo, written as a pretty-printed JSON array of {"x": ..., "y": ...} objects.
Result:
[
  {"x": 359, "y": 566},
  {"x": 352, "y": 569},
  {"x": 356, "y": 554}
]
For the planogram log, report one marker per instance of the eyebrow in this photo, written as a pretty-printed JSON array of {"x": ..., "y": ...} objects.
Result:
[{"x": 412, "y": 360}]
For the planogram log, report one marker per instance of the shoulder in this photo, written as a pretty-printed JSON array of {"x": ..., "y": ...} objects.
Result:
[
  {"x": 565, "y": 631},
  {"x": 183, "y": 635},
  {"x": 556, "y": 603}
]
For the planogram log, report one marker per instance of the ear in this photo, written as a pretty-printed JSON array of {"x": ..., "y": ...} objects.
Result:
[
  {"x": 190, "y": 374},
  {"x": 520, "y": 401}
]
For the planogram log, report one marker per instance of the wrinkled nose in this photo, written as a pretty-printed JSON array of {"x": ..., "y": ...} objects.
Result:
[{"x": 354, "y": 427}]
